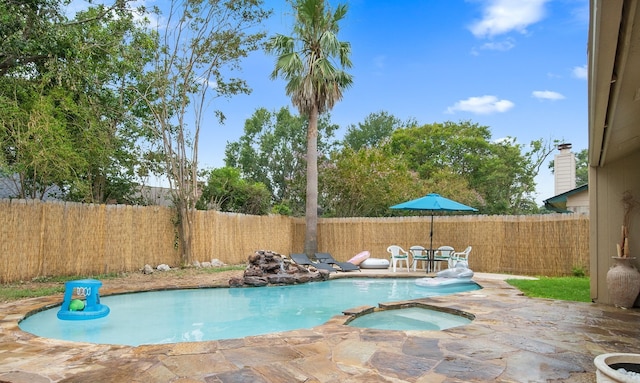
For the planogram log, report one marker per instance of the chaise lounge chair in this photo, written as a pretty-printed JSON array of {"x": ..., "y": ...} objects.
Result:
[
  {"x": 302, "y": 259},
  {"x": 343, "y": 266}
]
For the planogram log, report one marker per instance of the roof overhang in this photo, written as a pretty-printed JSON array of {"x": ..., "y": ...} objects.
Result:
[
  {"x": 558, "y": 203},
  {"x": 614, "y": 80}
]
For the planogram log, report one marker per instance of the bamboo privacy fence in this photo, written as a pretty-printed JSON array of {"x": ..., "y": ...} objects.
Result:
[
  {"x": 551, "y": 245},
  {"x": 70, "y": 239}
]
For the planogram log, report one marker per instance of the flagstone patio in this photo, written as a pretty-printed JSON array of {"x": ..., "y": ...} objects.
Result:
[{"x": 512, "y": 339}]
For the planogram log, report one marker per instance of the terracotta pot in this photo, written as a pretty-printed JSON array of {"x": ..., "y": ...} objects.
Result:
[
  {"x": 607, "y": 367},
  {"x": 623, "y": 282}
]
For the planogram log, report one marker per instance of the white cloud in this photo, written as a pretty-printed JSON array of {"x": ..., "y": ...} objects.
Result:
[
  {"x": 503, "y": 16},
  {"x": 547, "y": 95},
  {"x": 504, "y": 45},
  {"x": 580, "y": 72},
  {"x": 481, "y": 105},
  {"x": 209, "y": 83},
  {"x": 581, "y": 12}
]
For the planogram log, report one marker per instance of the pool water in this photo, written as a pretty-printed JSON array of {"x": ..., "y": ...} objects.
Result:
[
  {"x": 224, "y": 313},
  {"x": 413, "y": 318}
]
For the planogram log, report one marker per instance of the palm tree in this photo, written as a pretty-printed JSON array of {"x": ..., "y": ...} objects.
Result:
[{"x": 307, "y": 62}]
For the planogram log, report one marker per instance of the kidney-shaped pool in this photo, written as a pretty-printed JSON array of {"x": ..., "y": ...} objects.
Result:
[{"x": 192, "y": 315}]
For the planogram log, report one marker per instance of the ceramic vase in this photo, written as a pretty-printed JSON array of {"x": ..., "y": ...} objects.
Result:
[
  {"x": 607, "y": 366},
  {"x": 623, "y": 282}
]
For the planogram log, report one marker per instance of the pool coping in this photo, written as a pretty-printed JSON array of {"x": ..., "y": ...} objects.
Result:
[{"x": 565, "y": 335}]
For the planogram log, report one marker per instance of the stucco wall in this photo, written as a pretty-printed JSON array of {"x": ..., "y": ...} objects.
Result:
[{"x": 606, "y": 187}]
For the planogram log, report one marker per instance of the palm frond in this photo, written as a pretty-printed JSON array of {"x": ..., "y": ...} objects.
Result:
[{"x": 312, "y": 61}]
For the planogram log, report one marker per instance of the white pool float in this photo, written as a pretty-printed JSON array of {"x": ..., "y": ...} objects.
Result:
[
  {"x": 458, "y": 275},
  {"x": 441, "y": 282},
  {"x": 375, "y": 263},
  {"x": 460, "y": 271}
]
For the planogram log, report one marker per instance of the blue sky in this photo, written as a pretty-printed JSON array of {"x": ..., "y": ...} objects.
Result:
[{"x": 518, "y": 67}]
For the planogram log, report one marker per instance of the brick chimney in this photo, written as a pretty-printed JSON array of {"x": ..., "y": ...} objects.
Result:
[{"x": 564, "y": 169}]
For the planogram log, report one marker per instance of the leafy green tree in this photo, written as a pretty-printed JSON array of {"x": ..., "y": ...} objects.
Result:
[
  {"x": 109, "y": 55},
  {"x": 500, "y": 173},
  {"x": 432, "y": 147},
  {"x": 35, "y": 31},
  {"x": 37, "y": 144},
  {"x": 508, "y": 178},
  {"x": 366, "y": 182},
  {"x": 582, "y": 167},
  {"x": 65, "y": 121},
  {"x": 272, "y": 151},
  {"x": 225, "y": 190},
  {"x": 199, "y": 48},
  {"x": 307, "y": 62},
  {"x": 376, "y": 128},
  {"x": 450, "y": 185}
]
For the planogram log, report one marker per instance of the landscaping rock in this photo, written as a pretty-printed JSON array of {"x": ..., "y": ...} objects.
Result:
[{"x": 268, "y": 267}]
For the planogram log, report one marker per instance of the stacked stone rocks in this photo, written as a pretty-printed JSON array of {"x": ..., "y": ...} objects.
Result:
[{"x": 266, "y": 267}]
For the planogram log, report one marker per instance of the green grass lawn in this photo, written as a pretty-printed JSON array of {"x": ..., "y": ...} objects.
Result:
[
  {"x": 15, "y": 292},
  {"x": 45, "y": 286},
  {"x": 563, "y": 288},
  {"x": 39, "y": 287}
]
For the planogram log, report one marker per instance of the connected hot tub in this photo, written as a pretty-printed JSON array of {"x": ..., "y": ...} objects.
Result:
[{"x": 408, "y": 317}]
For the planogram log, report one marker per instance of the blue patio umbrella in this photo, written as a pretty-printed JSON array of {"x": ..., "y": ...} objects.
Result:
[{"x": 433, "y": 203}]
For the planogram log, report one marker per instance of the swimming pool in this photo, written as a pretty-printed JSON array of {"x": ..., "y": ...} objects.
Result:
[
  {"x": 410, "y": 318},
  {"x": 224, "y": 313}
]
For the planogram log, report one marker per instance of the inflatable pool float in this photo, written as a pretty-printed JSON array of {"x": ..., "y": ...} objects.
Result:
[
  {"x": 86, "y": 305},
  {"x": 459, "y": 272},
  {"x": 359, "y": 258},
  {"x": 441, "y": 282},
  {"x": 458, "y": 275},
  {"x": 374, "y": 263}
]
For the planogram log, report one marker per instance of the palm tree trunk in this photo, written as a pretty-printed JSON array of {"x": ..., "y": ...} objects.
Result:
[{"x": 311, "y": 214}]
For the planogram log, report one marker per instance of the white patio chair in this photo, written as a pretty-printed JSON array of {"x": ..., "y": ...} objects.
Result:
[
  {"x": 419, "y": 254},
  {"x": 442, "y": 254},
  {"x": 398, "y": 255},
  {"x": 462, "y": 256}
]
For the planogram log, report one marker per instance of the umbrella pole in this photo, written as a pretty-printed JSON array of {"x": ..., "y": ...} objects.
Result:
[{"x": 431, "y": 258}]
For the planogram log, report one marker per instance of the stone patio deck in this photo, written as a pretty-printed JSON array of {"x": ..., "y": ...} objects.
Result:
[{"x": 512, "y": 339}]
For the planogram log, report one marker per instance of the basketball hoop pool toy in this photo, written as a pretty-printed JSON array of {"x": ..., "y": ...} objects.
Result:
[{"x": 82, "y": 301}]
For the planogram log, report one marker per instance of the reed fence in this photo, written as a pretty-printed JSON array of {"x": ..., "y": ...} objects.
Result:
[
  {"x": 551, "y": 245},
  {"x": 71, "y": 239}
]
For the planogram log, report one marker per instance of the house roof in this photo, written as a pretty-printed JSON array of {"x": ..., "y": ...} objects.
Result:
[
  {"x": 614, "y": 78},
  {"x": 558, "y": 202}
]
